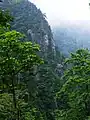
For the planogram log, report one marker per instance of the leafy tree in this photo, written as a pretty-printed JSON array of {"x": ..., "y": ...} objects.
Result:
[
  {"x": 77, "y": 87},
  {"x": 5, "y": 18},
  {"x": 16, "y": 57}
]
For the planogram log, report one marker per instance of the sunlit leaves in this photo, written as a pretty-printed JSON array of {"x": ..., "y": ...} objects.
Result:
[
  {"x": 15, "y": 54},
  {"x": 16, "y": 57}
]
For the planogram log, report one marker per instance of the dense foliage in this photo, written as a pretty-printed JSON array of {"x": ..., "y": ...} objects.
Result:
[
  {"x": 25, "y": 88},
  {"x": 75, "y": 92},
  {"x": 32, "y": 88},
  {"x": 30, "y": 21},
  {"x": 16, "y": 58}
]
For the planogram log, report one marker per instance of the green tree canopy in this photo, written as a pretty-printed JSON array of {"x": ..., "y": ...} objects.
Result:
[{"x": 77, "y": 87}]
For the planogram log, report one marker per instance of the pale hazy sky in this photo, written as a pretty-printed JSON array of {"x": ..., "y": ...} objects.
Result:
[{"x": 57, "y": 10}]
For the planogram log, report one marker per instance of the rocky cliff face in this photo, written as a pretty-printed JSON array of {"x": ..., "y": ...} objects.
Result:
[{"x": 32, "y": 22}]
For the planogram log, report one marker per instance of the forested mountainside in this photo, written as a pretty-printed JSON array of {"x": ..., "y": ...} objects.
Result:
[
  {"x": 39, "y": 87},
  {"x": 32, "y": 22},
  {"x": 38, "y": 83},
  {"x": 69, "y": 38},
  {"x": 66, "y": 42}
]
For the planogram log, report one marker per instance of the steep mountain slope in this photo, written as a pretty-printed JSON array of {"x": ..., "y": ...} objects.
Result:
[{"x": 32, "y": 22}]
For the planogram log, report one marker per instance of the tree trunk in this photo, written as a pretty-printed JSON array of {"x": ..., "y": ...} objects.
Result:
[
  {"x": 14, "y": 96},
  {"x": 13, "y": 92}
]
